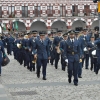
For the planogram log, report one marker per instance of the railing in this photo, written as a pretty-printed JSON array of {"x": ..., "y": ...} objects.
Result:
[{"x": 45, "y": 17}]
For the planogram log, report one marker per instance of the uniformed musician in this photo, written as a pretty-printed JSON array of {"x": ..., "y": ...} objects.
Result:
[
  {"x": 72, "y": 55},
  {"x": 42, "y": 54}
]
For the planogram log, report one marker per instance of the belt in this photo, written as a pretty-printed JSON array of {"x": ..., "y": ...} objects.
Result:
[{"x": 72, "y": 53}]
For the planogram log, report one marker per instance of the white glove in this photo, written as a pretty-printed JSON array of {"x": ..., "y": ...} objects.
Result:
[
  {"x": 66, "y": 60},
  {"x": 85, "y": 49},
  {"x": 94, "y": 52}
]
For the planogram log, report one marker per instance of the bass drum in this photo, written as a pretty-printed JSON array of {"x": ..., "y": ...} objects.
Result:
[{"x": 5, "y": 62}]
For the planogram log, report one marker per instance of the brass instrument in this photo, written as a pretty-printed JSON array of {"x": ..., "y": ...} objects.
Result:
[
  {"x": 19, "y": 45},
  {"x": 34, "y": 60},
  {"x": 80, "y": 60},
  {"x": 58, "y": 49},
  {"x": 51, "y": 39}
]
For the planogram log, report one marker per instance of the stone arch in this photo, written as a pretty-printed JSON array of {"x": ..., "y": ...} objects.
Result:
[
  {"x": 35, "y": 20},
  {"x": 39, "y": 25},
  {"x": 59, "y": 24},
  {"x": 95, "y": 23},
  {"x": 79, "y": 23},
  {"x": 21, "y": 24}
]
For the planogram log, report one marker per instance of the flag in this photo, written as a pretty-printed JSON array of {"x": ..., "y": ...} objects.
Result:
[
  {"x": 0, "y": 29},
  {"x": 16, "y": 25},
  {"x": 4, "y": 26},
  {"x": 13, "y": 26}
]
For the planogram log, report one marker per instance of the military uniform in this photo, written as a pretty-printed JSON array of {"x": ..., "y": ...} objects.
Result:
[
  {"x": 43, "y": 53},
  {"x": 2, "y": 54},
  {"x": 32, "y": 44},
  {"x": 92, "y": 47},
  {"x": 97, "y": 42},
  {"x": 56, "y": 43},
  {"x": 85, "y": 39},
  {"x": 62, "y": 45},
  {"x": 72, "y": 54}
]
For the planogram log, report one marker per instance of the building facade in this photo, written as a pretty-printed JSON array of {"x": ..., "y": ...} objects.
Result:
[{"x": 48, "y": 14}]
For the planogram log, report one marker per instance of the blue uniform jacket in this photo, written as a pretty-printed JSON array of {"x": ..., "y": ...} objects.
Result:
[
  {"x": 72, "y": 48},
  {"x": 84, "y": 41},
  {"x": 57, "y": 41},
  {"x": 43, "y": 51},
  {"x": 62, "y": 45}
]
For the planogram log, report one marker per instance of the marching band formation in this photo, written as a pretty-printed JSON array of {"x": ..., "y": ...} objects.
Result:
[{"x": 36, "y": 49}]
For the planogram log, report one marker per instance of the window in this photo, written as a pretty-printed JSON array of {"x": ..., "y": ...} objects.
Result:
[
  {"x": 50, "y": 10},
  {"x": 62, "y": 10},
  {"x": 0, "y": 11},
  {"x": 86, "y": 10},
  {"x": 37, "y": 11},
  {"x": 75, "y": 10},
  {"x": 24, "y": 11},
  {"x": 11, "y": 11}
]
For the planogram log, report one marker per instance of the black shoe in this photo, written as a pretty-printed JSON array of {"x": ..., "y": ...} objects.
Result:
[
  {"x": 79, "y": 76},
  {"x": 76, "y": 84},
  {"x": 33, "y": 69},
  {"x": 91, "y": 69},
  {"x": 96, "y": 72},
  {"x": 69, "y": 80},
  {"x": 44, "y": 78},
  {"x": 55, "y": 67},
  {"x": 51, "y": 63},
  {"x": 38, "y": 76},
  {"x": 86, "y": 68},
  {"x": 63, "y": 69}
]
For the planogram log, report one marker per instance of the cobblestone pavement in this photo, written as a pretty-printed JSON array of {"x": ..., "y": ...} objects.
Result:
[{"x": 17, "y": 83}]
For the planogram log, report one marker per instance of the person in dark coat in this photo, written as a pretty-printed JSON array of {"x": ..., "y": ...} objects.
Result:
[
  {"x": 2, "y": 54},
  {"x": 62, "y": 45}
]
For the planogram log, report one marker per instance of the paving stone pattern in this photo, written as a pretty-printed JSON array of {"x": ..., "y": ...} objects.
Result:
[{"x": 17, "y": 83}]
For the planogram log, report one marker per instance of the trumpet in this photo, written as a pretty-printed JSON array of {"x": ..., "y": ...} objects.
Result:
[{"x": 19, "y": 45}]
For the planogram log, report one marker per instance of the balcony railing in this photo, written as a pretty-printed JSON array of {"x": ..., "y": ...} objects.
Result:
[{"x": 71, "y": 17}]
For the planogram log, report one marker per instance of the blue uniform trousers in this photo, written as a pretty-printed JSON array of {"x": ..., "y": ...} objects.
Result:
[
  {"x": 80, "y": 69},
  {"x": 63, "y": 63},
  {"x": 73, "y": 70},
  {"x": 43, "y": 63},
  {"x": 9, "y": 49},
  {"x": 56, "y": 59},
  {"x": 98, "y": 61},
  {"x": 93, "y": 63},
  {"x": 86, "y": 58},
  {"x": 32, "y": 65},
  {"x": 0, "y": 68}
]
